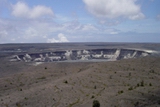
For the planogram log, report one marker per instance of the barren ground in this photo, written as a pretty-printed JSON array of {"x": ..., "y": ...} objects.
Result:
[{"x": 125, "y": 83}]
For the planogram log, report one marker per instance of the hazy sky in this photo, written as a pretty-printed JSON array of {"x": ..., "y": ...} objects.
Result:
[{"x": 50, "y": 21}]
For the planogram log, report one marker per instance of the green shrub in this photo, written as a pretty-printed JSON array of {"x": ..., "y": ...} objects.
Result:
[
  {"x": 43, "y": 77},
  {"x": 96, "y": 103},
  {"x": 66, "y": 81},
  {"x": 120, "y": 92},
  {"x": 20, "y": 89},
  {"x": 130, "y": 88},
  {"x": 110, "y": 77},
  {"x": 151, "y": 71},
  {"x": 142, "y": 83},
  {"x": 158, "y": 102},
  {"x": 150, "y": 84},
  {"x": 92, "y": 96},
  {"x": 26, "y": 98}
]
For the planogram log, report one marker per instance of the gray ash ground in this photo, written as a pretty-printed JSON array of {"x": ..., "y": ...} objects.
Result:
[{"x": 132, "y": 82}]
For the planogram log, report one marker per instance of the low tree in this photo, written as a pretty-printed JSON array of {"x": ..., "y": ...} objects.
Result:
[{"x": 96, "y": 103}]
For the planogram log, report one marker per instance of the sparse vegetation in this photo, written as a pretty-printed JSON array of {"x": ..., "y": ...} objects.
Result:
[
  {"x": 96, "y": 103},
  {"x": 53, "y": 87},
  {"x": 120, "y": 92},
  {"x": 18, "y": 105},
  {"x": 26, "y": 98},
  {"x": 130, "y": 88},
  {"x": 151, "y": 71},
  {"x": 150, "y": 84},
  {"x": 43, "y": 77},
  {"x": 142, "y": 83},
  {"x": 110, "y": 77},
  {"x": 74, "y": 103},
  {"x": 92, "y": 96},
  {"x": 66, "y": 81},
  {"x": 136, "y": 104}
]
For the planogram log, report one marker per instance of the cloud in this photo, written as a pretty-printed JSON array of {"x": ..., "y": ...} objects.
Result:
[
  {"x": 3, "y": 33},
  {"x": 111, "y": 31},
  {"x": 89, "y": 27},
  {"x": 61, "y": 38},
  {"x": 40, "y": 30},
  {"x": 23, "y": 10},
  {"x": 31, "y": 32},
  {"x": 114, "y": 9},
  {"x": 158, "y": 17}
]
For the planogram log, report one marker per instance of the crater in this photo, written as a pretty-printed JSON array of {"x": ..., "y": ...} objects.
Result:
[{"x": 111, "y": 54}]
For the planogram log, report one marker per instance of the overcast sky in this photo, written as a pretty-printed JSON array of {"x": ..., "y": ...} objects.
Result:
[{"x": 52, "y": 21}]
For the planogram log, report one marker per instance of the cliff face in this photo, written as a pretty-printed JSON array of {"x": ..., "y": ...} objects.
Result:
[{"x": 81, "y": 55}]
